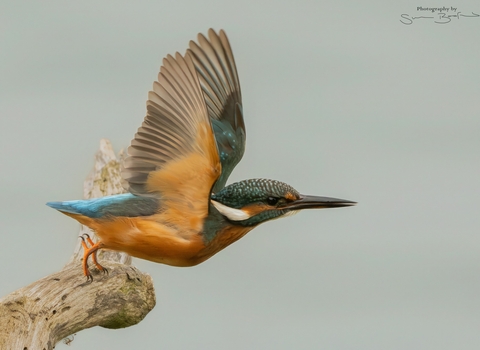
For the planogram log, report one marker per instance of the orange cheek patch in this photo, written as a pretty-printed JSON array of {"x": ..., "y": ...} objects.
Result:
[
  {"x": 290, "y": 196},
  {"x": 254, "y": 209}
]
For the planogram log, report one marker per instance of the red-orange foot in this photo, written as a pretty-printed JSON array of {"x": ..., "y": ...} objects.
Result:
[
  {"x": 87, "y": 251},
  {"x": 94, "y": 255}
]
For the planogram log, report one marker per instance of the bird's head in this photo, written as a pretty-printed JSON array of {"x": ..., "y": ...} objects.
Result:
[{"x": 251, "y": 202}]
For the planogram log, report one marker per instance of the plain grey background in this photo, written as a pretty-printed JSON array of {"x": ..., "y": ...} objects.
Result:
[{"x": 340, "y": 99}]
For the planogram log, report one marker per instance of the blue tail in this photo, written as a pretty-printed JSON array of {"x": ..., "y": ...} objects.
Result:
[
  {"x": 67, "y": 207},
  {"x": 119, "y": 205}
]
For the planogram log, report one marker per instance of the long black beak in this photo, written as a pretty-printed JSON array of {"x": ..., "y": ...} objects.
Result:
[{"x": 315, "y": 202}]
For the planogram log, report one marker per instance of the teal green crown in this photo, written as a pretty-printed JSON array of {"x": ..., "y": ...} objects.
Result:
[{"x": 240, "y": 194}]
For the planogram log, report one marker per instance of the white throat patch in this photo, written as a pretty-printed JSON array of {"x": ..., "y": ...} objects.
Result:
[{"x": 231, "y": 213}]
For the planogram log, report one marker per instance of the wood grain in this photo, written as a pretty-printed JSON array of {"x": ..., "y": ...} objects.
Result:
[{"x": 43, "y": 313}]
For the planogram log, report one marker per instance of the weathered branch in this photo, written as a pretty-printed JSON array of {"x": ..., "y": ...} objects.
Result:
[{"x": 41, "y": 314}]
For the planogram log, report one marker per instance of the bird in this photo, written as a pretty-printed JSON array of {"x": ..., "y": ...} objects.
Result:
[{"x": 177, "y": 209}]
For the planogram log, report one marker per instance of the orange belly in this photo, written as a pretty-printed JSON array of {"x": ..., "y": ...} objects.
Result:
[{"x": 145, "y": 238}]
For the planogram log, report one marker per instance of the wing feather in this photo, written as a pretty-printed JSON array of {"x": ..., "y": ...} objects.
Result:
[
  {"x": 216, "y": 68},
  {"x": 193, "y": 134},
  {"x": 176, "y": 114}
]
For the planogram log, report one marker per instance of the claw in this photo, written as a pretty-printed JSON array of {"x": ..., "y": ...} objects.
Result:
[
  {"x": 100, "y": 267},
  {"x": 89, "y": 240}
]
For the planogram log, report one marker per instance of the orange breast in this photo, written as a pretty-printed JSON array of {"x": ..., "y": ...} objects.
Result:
[
  {"x": 222, "y": 240},
  {"x": 147, "y": 238}
]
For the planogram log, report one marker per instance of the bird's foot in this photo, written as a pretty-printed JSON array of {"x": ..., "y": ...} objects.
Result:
[{"x": 87, "y": 251}]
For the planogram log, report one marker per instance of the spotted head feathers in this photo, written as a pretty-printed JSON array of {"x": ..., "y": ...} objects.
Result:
[{"x": 253, "y": 201}]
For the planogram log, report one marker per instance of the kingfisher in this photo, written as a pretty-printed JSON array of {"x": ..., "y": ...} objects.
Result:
[{"x": 177, "y": 209}]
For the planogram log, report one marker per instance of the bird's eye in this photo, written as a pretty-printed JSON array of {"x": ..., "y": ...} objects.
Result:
[{"x": 272, "y": 200}]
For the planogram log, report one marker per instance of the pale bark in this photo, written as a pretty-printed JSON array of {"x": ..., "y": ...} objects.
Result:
[{"x": 41, "y": 314}]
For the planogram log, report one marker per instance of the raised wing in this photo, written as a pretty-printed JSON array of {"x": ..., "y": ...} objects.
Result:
[
  {"x": 215, "y": 65},
  {"x": 174, "y": 155}
]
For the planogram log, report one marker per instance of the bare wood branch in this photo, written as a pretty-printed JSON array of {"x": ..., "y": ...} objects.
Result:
[{"x": 41, "y": 314}]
